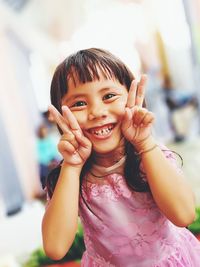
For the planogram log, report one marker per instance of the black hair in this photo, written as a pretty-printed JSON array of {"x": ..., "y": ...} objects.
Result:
[{"x": 83, "y": 67}]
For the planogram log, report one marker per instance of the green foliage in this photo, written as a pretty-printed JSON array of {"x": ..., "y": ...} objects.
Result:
[
  {"x": 38, "y": 257},
  {"x": 195, "y": 226}
]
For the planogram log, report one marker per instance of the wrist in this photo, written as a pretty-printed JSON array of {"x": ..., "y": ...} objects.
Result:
[
  {"x": 75, "y": 168},
  {"x": 145, "y": 144}
]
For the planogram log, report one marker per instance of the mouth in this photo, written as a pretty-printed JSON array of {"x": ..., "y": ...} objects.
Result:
[{"x": 102, "y": 132}]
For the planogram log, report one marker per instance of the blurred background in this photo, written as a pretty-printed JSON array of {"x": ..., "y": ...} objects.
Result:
[{"x": 157, "y": 37}]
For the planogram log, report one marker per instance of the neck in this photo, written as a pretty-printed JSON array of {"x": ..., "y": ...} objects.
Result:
[{"x": 110, "y": 158}]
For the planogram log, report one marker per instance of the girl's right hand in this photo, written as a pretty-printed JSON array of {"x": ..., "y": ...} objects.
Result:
[{"x": 73, "y": 145}]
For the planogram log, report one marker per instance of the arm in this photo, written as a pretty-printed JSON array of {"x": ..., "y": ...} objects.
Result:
[
  {"x": 59, "y": 223},
  {"x": 60, "y": 220},
  {"x": 171, "y": 193}
]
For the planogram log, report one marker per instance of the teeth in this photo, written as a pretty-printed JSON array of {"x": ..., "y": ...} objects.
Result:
[{"x": 103, "y": 131}]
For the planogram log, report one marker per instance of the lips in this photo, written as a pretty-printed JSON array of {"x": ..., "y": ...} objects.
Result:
[{"x": 102, "y": 132}]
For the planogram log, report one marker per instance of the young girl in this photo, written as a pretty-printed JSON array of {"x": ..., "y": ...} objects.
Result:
[{"x": 132, "y": 199}]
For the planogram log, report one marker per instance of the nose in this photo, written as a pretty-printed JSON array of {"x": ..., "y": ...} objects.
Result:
[{"x": 97, "y": 111}]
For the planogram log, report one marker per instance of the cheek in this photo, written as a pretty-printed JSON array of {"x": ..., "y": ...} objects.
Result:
[
  {"x": 120, "y": 106},
  {"x": 81, "y": 118}
]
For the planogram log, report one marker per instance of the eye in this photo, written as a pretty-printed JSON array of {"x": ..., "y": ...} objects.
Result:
[
  {"x": 79, "y": 104},
  {"x": 108, "y": 96}
]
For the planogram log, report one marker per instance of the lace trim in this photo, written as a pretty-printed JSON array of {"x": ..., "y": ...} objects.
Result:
[{"x": 100, "y": 171}]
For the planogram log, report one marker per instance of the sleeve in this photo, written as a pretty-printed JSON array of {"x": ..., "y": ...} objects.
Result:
[{"x": 175, "y": 159}]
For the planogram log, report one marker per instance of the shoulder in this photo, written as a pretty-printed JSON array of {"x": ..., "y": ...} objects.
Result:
[{"x": 169, "y": 153}]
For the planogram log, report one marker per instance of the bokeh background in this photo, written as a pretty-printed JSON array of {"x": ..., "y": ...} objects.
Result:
[{"x": 157, "y": 37}]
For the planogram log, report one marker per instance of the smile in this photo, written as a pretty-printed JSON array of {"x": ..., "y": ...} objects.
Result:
[{"x": 103, "y": 131}]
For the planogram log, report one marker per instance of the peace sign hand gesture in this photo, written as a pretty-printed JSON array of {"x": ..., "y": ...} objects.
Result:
[
  {"x": 137, "y": 122},
  {"x": 73, "y": 145}
]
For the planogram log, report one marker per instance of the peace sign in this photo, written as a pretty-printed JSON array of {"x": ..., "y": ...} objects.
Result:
[
  {"x": 136, "y": 92},
  {"x": 73, "y": 145},
  {"x": 137, "y": 121}
]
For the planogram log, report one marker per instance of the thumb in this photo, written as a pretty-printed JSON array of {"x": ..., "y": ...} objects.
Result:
[
  {"x": 127, "y": 119},
  {"x": 83, "y": 140}
]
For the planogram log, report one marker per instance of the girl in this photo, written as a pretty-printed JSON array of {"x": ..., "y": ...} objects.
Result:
[{"x": 132, "y": 199}]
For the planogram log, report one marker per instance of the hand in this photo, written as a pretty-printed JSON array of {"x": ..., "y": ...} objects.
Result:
[
  {"x": 73, "y": 145},
  {"x": 137, "y": 121}
]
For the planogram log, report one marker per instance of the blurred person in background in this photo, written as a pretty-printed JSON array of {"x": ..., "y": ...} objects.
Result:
[
  {"x": 132, "y": 199},
  {"x": 51, "y": 125},
  {"x": 181, "y": 104},
  {"x": 48, "y": 156},
  {"x": 156, "y": 103}
]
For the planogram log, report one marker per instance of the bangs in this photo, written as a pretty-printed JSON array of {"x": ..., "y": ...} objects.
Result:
[{"x": 83, "y": 73}]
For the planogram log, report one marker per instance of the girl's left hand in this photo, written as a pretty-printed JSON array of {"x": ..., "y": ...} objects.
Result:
[{"x": 137, "y": 121}]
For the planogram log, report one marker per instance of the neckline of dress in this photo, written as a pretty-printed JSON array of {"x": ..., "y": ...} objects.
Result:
[{"x": 102, "y": 171}]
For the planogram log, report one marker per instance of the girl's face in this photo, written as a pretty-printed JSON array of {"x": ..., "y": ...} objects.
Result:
[{"x": 99, "y": 107}]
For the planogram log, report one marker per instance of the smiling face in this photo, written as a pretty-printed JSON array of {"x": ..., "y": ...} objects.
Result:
[{"x": 99, "y": 107}]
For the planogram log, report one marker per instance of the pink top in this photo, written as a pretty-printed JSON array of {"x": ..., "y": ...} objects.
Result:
[{"x": 129, "y": 230}]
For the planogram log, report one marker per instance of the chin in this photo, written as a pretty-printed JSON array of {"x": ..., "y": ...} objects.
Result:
[{"x": 106, "y": 147}]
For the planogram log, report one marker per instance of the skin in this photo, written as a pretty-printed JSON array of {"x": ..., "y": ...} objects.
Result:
[
  {"x": 103, "y": 102},
  {"x": 97, "y": 108}
]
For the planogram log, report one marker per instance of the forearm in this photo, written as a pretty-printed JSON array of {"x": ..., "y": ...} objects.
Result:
[
  {"x": 172, "y": 194},
  {"x": 59, "y": 224}
]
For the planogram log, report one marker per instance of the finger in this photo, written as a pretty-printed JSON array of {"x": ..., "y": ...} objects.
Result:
[
  {"x": 141, "y": 91},
  {"x": 71, "y": 120},
  {"x": 83, "y": 141},
  {"x": 58, "y": 118},
  {"x": 66, "y": 147},
  {"x": 132, "y": 94},
  {"x": 149, "y": 118},
  {"x": 127, "y": 119},
  {"x": 85, "y": 145},
  {"x": 69, "y": 137},
  {"x": 139, "y": 115}
]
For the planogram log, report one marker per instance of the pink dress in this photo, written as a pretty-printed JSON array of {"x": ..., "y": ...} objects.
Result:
[{"x": 129, "y": 230}]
